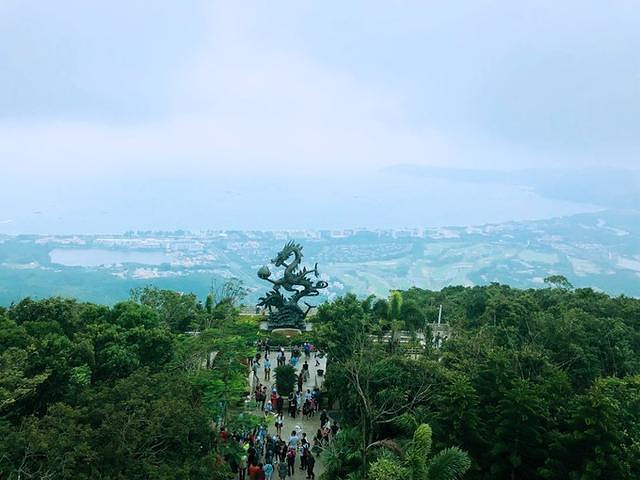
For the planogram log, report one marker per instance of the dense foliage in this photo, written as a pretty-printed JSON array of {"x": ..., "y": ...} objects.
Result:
[
  {"x": 530, "y": 383},
  {"x": 285, "y": 379},
  {"x": 88, "y": 391}
]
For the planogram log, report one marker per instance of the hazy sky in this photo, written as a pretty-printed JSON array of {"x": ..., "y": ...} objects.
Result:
[{"x": 96, "y": 90}]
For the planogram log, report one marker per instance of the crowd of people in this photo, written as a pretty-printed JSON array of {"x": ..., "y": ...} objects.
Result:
[{"x": 273, "y": 454}]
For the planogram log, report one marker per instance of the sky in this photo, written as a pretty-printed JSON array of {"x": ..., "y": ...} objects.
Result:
[{"x": 96, "y": 93}]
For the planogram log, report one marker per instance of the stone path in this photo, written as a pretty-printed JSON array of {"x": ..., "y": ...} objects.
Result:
[{"x": 309, "y": 426}]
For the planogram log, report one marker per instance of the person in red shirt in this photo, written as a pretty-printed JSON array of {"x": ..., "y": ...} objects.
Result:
[
  {"x": 253, "y": 471},
  {"x": 291, "y": 461}
]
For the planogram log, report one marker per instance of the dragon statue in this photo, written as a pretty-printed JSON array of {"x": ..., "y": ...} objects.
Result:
[{"x": 285, "y": 312}]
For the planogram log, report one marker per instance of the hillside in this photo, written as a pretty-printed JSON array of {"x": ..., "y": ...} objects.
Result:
[{"x": 600, "y": 250}]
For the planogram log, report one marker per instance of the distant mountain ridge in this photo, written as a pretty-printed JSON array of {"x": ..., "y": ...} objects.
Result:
[{"x": 606, "y": 187}]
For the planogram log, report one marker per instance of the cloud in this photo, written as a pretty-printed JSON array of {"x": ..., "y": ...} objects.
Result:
[
  {"x": 238, "y": 102},
  {"x": 220, "y": 89}
]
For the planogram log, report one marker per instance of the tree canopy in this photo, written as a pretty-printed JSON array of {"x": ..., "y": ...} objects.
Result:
[
  {"x": 89, "y": 391},
  {"x": 529, "y": 383}
]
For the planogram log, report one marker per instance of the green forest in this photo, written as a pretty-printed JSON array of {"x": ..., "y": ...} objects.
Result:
[
  {"x": 528, "y": 384},
  {"x": 88, "y": 391},
  {"x": 531, "y": 384}
]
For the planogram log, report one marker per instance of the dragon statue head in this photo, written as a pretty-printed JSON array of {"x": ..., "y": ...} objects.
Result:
[{"x": 289, "y": 249}]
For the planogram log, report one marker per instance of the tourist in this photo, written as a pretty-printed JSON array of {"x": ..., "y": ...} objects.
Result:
[
  {"x": 242, "y": 467},
  {"x": 262, "y": 435},
  {"x": 252, "y": 454},
  {"x": 304, "y": 444},
  {"x": 291, "y": 462},
  {"x": 255, "y": 368},
  {"x": 293, "y": 407},
  {"x": 267, "y": 368},
  {"x": 253, "y": 471},
  {"x": 279, "y": 404},
  {"x": 279, "y": 422},
  {"x": 307, "y": 409},
  {"x": 283, "y": 469},
  {"x": 293, "y": 440},
  {"x": 315, "y": 395},
  {"x": 300, "y": 381},
  {"x": 324, "y": 418},
  {"x": 317, "y": 442},
  {"x": 260, "y": 475},
  {"x": 334, "y": 428},
  {"x": 268, "y": 454},
  {"x": 282, "y": 452},
  {"x": 281, "y": 357},
  {"x": 263, "y": 397},
  {"x": 268, "y": 470},
  {"x": 268, "y": 408},
  {"x": 258, "y": 394},
  {"x": 299, "y": 401},
  {"x": 311, "y": 462}
]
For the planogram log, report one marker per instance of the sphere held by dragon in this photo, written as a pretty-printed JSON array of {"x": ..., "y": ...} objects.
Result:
[{"x": 264, "y": 272}]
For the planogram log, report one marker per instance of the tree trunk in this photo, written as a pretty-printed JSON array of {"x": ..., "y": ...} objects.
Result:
[{"x": 364, "y": 446}]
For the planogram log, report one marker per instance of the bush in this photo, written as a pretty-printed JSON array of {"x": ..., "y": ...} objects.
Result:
[
  {"x": 279, "y": 340},
  {"x": 387, "y": 468},
  {"x": 285, "y": 379}
]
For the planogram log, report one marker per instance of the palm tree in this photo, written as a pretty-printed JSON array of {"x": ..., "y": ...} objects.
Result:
[{"x": 417, "y": 463}]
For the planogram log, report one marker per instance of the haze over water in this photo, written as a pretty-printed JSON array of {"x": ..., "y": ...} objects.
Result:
[
  {"x": 376, "y": 200},
  {"x": 197, "y": 115}
]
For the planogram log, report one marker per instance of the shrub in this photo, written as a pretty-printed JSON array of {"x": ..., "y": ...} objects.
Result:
[{"x": 285, "y": 379}]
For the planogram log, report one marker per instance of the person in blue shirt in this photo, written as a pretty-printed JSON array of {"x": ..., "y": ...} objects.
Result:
[
  {"x": 267, "y": 468},
  {"x": 293, "y": 440},
  {"x": 267, "y": 368}
]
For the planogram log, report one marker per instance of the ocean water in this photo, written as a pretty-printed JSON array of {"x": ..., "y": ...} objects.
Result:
[{"x": 331, "y": 201}]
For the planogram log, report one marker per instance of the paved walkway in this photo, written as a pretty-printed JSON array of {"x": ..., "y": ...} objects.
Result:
[{"x": 299, "y": 423}]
